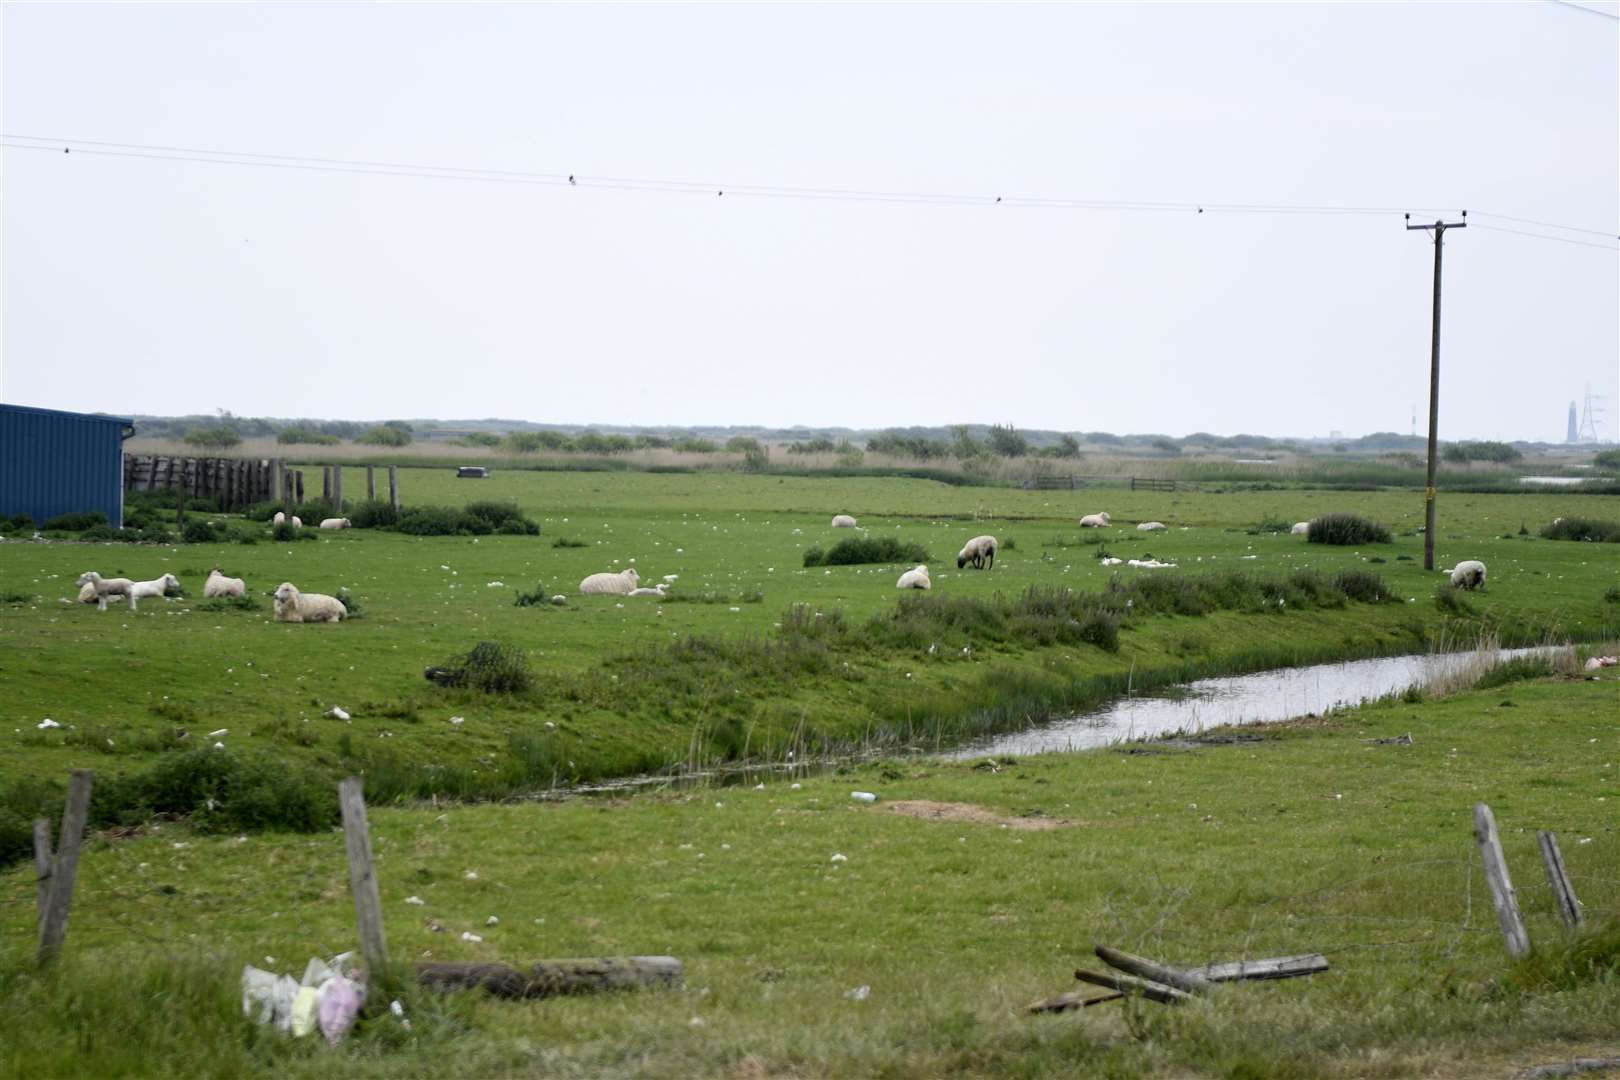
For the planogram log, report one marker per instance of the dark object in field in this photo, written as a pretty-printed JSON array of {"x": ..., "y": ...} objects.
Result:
[
  {"x": 488, "y": 666},
  {"x": 552, "y": 978},
  {"x": 1393, "y": 740},
  {"x": 472, "y": 472},
  {"x": 1281, "y": 967},
  {"x": 442, "y": 676}
]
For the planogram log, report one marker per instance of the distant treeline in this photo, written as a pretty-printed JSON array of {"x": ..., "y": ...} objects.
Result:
[{"x": 958, "y": 442}]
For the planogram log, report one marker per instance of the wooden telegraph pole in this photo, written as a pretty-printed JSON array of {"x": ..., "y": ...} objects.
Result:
[{"x": 1439, "y": 228}]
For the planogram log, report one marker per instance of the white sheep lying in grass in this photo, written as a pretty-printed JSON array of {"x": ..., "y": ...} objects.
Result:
[
  {"x": 145, "y": 590},
  {"x": 104, "y": 588},
  {"x": 656, "y": 590},
  {"x": 220, "y": 585},
  {"x": 1152, "y": 526},
  {"x": 1096, "y": 521},
  {"x": 980, "y": 551},
  {"x": 1301, "y": 528},
  {"x": 843, "y": 521},
  {"x": 620, "y": 584},
  {"x": 336, "y": 523},
  {"x": 915, "y": 578},
  {"x": 300, "y": 607},
  {"x": 1468, "y": 574}
]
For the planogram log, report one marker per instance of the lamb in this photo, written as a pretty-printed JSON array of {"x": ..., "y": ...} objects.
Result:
[
  {"x": 1152, "y": 526},
  {"x": 106, "y": 587},
  {"x": 1301, "y": 528},
  {"x": 980, "y": 551},
  {"x": 656, "y": 590},
  {"x": 915, "y": 578},
  {"x": 143, "y": 590},
  {"x": 220, "y": 585},
  {"x": 279, "y": 518},
  {"x": 1095, "y": 521},
  {"x": 843, "y": 521},
  {"x": 336, "y": 523},
  {"x": 87, "y": 595},
  {"x": 619, "y": 584},
  {"x": 1468, "y": 574},
  {"x": 300, "y": 607}
]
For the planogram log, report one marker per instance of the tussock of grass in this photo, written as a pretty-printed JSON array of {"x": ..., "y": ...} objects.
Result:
[
  {"x": 489, "y": 666},
  {"x": 1591, "y": 530},
  {"x": 867, "y": 549},
  {"x": 1347, "y": 530}
]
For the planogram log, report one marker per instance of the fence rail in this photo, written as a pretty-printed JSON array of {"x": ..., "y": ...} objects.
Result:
[{"x": 1075, "y": 483}]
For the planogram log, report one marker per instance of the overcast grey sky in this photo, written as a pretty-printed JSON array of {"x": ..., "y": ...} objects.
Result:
[{"x": 137, "y": 284}]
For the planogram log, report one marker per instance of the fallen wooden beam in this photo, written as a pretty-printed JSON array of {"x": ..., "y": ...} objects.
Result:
[
  {"x": 1073, "y": 999},
  {"x": 1279, "y": 967},
  {"x": 1130, "y": 984},
  {"x": 552, "y": 978},
  {"x": 1152, "y": 970}
]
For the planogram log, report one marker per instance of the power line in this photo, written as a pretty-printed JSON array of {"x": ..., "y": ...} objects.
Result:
[
  {"x": 1589, "y": 11},
  {"x": 1544, "y": 236},
  {"x": 477, "y": 174}
]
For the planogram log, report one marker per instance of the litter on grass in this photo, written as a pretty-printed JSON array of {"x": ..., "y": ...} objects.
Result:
[{"x": 324, "y": 998}]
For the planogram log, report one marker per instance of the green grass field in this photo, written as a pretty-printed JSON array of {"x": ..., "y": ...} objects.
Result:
[{"x": 1310, "y": 839}]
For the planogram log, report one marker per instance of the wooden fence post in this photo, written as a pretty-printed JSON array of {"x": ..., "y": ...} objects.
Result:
[
  {"x": 1501, "y": 883},
  {"x": 65, "y": 867},
  {"x": 371, "y": 483},
  {"x": 300, "y": 487},
  {"x": 326, "y": 483},
  {"x": 42, "y": 868},
  {"x": 1569, "y": 908},
  {"x": 393, "y": 487},
  {"x": 337, "y": 488},
  {"x": 362, "y": 880}
]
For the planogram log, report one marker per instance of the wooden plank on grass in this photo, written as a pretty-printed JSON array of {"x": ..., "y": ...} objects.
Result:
[
  {"x": 1569, "y": 908},
  {"x": 1130, "y": 984},
  {"x": 1153, "y": 971},
  {"x": 65, "y": 867},
  {"x": 362, "y": 879},
  {"x": 1501, "y": 882},
  {"x": 1074, "y": 999},
  {"x": 1278, "y": 967},
  {"x": 553, "y": 978}
]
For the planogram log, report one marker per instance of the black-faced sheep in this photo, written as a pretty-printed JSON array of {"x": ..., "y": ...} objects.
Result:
[{"x": 1469, "y": 574}]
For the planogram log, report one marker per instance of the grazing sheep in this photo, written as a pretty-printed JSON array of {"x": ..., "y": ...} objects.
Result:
[
  {"x": 220, "y": 585},
  {"x": 619, "y": 584},
  {"x": 1468, "y": 574},
  {"x": 301, "y": 607},
  {"x": 1096, "y": 521},
  {"x": 143, "y": 590},
  {"x": 336, "y": 523},
  {"x": 1152, "y": 526},
  {"x": 1301, "y": 528},
  {"x": 106, "y": 587},
  {"x": 87, "y": 595},
  {"x": 980, "y": 551},
  {"x": 279, "y": 518},
  {"x": 843, "y": 521},
  {"x": 916, "y": 578}
]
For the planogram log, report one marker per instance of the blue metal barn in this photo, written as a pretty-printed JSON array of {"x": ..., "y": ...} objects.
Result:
[{"x": 54, "y": 462}]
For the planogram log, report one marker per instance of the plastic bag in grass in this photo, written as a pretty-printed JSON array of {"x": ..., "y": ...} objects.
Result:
[{"x": 268, "y": 996}]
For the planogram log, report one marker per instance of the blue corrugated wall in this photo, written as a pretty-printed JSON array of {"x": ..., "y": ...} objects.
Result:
[{"x": 55, "y": 462}]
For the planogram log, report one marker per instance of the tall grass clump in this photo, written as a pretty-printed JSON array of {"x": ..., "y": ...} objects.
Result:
[
  {"x": 489, "y": 666},
  {"x": 1588, "y": 529},
  {"x": 1347, "y": 529},
  {"x": 867, "y": 549}
]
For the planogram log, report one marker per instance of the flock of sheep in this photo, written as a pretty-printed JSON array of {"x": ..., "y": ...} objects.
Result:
[{"x": 291, "y": 605}]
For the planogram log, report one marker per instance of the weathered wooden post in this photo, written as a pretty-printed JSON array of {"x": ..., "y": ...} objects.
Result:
[
  {"x": 1569, "y": 908},
  {"x": 337, "y": 488},
  {"x": 326, "y": 482},
  {"x": 300, "y": 486},
  {"x": 362, "y": 879},
  {"x": 180, "y": 506},
  {"x": 1501, "y": 883},
  {"x": 65, "y": 867},
  {"x": 42, "y": 868},
  {"x": 286, "y": 488},
  {"x": 371, "y": 483},
  {"x": 393, "y": 487}
]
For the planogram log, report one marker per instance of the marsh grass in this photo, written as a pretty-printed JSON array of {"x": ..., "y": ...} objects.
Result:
[
  {"x": 1591, "y": 530},
  {"x": 857, "y": 550},
  {"x": 1347, "y": 530}
]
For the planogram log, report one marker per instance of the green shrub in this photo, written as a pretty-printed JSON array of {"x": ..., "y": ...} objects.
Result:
[
  {"x": 214, "y": 438},
  {"x": 287, "y": 531},
  {"x": 502, "y": 517},
  {"x": 106, "y": 533},
  {"x": 867, "y": 549},
  {"x": 246, "y": 602},
  {"x": 373, "y": 514},
  {"x": 16, "y": 523},
  {"x": 1589, "y": 529},
  {"x": 1362, "y": 586},
  {"x": 75, "y": 522},
  {"x": 1460, "y": 453},
  {"x": 294, "y": 436},
  {"x": 1269, "y": 524},
  {"x": 390, "y": 434},
  {"x": 1606, "y": 459},
  {"x": 1612, "y": 594},
  {"x": 489, "y": 666},
  {"x": 1448, "y": 601},
  {"x": 429, "y": 521},
  {"x": 1347, "y": 529},
  {"x": 198, "y": 531},
  {"x": 10, "y": 596},
  {"x": 693, "y": 445},
  {"x": 537, "y": 598}
]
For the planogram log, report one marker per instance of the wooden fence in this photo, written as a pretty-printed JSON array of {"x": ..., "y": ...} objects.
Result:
[
  {"x": 1075, "y": 483},
  {"x": 239, "y": 482}
]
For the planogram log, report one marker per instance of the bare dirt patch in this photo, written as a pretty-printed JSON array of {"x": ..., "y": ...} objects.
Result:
[{"x": 975, "y": 815}]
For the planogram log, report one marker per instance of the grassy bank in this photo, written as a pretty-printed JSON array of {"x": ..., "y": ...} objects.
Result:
[{"x": 1312, "y": 837}]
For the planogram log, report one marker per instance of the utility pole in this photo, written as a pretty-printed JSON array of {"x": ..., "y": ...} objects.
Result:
[{"x": 1439, "y": 228}]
